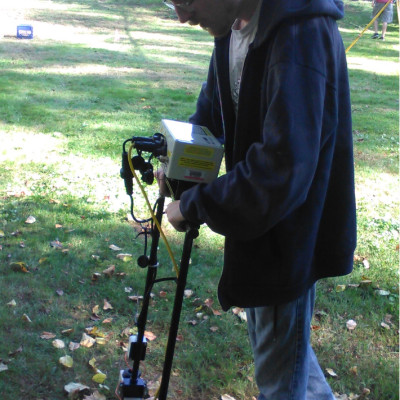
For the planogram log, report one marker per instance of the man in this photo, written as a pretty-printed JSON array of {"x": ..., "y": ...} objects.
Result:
[
  {"x": 277, "y": 92},
  {"x": 386, "y": 17}
]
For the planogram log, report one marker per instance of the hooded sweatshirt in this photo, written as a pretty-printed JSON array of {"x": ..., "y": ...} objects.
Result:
[{"x": 286, "y": 205}]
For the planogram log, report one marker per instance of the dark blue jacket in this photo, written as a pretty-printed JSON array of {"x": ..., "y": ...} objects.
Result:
[{"x": 286, "y": 205}]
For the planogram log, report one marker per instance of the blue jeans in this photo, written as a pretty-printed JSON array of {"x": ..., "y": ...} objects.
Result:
[{"x": 286, "y": 367}]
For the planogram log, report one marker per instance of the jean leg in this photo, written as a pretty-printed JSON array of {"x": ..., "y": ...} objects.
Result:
[{"x": 286, "y": 367}]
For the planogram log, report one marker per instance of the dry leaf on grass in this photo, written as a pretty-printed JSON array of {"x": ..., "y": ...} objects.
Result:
[
  {"x": 67, "y": 361},
  {"x": 73, "y": 387},
  {"x": 114, "y": 247},
  {"x": 149, "y": 335},
  {"x": 95, "y": 309},
  {"x": 60, "y": 292},
  {"x": 73, "y": 346},
  {"x": 107, "y": 305},
  {"x": 109, "y": 271},
  {"x": 351, "y": 324},
  {"x": 12, "y": 303},
  {"x": 214, "y": 328},
  {"x": 14, "y": 353},
  {"x": 188, "y": 293},
  {"x": 26, "y": 318},
  {"x": 331, "y": 372},
  {"x": 3, "y": 367},
  {"x": 107, "y": 321},
  {"x": 209, "y": 302},
  {"x": 227, "y": 397},
  {"x": 96, "y": 395},
  {"x": 59, "y": 344},
  {"x": 87, "y": 341},
  {"x": 56, "y": 244},
  {"x": 30, "y": 220},
  {"x": 47, "y": 335},
  {"x": 121, "y": 256},
  {"x": 19, "y": 266}
]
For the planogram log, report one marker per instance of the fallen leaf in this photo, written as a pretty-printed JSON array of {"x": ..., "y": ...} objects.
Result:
[
  {"x": 95, "y": 309},
  {"x": 94, "y": 317},
  {"x": 54, "y": 201},
  {"x": 96, "y": 395},
  {"x": 14, "y": 353},
  {"x": 315, "y": 327},
  {"x": 227, "y": 397},
  {"x": 149, "y": 335},
  {"x": 1, "y": 234},
  {"x": 100, "y": 341},
  {"x": 22, "y": 244},
  {"x": 366, "y": 264},
  {"x": 67, "y": 331},
  {"x": 331, "y": 372},
  {"x": 12, "y": 303},
  {"x": 58, "y": 226},
  {"x": 382, "y": 292},
  {"x": 114, "y": 247},
  {"x": 59, "y": 344},
  {"x": 60, "y": 292},
  {"x": 179, "y": 338},
  {"x": 243, "y": 316},
  {"x": 388, "y": 318},
  {"x": 87, "y": 341},
  {"x": 19, "y": 266},
  {"x": 162, "y": 293},
  {"x": 107, "y": 321},
  {"x": 121, "y": 256},
  {"x": 73, "y": 346},
  {"x": 128, "y": 289},
  {"x": 188, "y": 293},
  {"x": 26, "y": 318},
  {"x": 214, "y": 328},
  {"x": 56, "y": 244},
  {"x": 135, "y": 298},
  {"x": 99, "y": 378},
  {"x": 110, "y": 270},
  {"x": 42, "y": 260},
  {"x": 351, "y": 324},
  {"x": 30, "y": 220},
  {"x": 353, "y": 285},
  {"x": 209, "y": 302},
  {"x": 107, "y": 305},
  {"x": 386, "y": 326},
  {"x": 64, "y": 251},
  {"x": 67, "y": 361},
  {"x": 216, "y": 312},
  {"x": 237, "y": 310},
  {"x": 72, "y": 387},
  {"x": 192, "y": 322},
  {"x": 47, "y": 335},
  {"x": 95, "y": 257},
  {"x": 3, "y": 367},
  {"x": 353, "y": 371},
  {"x": 340, "y": 288},
  {"x": 96, "y": 276}
]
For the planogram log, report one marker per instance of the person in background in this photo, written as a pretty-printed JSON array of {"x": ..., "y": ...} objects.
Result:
[
  {"x": 277, "y": 94},
  {"x": 386, "y": 17}
]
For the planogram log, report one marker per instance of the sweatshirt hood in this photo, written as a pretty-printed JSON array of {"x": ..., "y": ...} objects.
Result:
[{"x": 273, "y": 12}]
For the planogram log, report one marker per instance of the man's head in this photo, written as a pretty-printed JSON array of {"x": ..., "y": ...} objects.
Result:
[{"x": 215, "y": 16}]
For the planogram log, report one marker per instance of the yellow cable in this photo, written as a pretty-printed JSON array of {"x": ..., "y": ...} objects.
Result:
[
  {"x": 151, "y": 211},
  {"x": 373, "y": 19}
]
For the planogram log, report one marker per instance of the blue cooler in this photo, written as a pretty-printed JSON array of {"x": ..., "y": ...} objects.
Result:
[{"x": 24, "y": 32}]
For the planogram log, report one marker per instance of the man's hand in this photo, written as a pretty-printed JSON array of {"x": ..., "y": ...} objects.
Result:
[
  {"x": 162, "y": 186},
  {"x": 174, "y": 215}
]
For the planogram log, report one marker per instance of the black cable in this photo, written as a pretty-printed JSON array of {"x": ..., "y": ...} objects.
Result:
[{"x": 133, "y": 215}]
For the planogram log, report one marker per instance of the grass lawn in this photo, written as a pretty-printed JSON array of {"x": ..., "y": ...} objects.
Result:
[{"x": 97, "y": 73}]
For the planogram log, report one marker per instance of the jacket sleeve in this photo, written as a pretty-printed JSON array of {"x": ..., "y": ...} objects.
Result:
[{"x": 277, "y": 172}]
